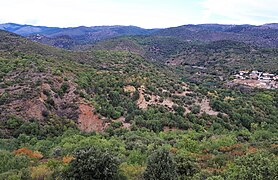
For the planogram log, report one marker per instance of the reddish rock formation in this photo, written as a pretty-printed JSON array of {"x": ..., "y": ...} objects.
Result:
[{"x": 88, "y": 121}]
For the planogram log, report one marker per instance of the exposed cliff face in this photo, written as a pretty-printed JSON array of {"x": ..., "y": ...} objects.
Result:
[{"x": 88, "y": 121}]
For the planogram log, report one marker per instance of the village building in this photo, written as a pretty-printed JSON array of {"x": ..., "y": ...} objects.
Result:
[{"x": 257, "y": 79}]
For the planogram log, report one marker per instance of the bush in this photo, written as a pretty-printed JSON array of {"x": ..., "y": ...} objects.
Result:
[
  {"x": 93, "y": 163},
  {"x": 195, "y": 109},
  {"x": 161, "y": 165},
  {"x": 254, "y": 166},
  {"x": 132, "y": 171},
  {"x": 41, "y": 172},
  {"x": 8, "y": 162},
  {"x": 23, "y": 174},
  {"x": 186, "y": 166}
]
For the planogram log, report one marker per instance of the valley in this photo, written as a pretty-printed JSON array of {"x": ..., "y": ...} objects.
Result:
[{"x": 202, "y": 98}]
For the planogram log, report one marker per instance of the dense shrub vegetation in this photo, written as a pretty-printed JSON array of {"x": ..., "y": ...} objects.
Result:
[
  {"x": 237, "y": 140},
  {"x": 187, "y": 154}
]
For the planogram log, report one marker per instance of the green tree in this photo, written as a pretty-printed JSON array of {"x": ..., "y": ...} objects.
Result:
[
  {"x": 161, "y": 165},
  {"x": 186, "y": 166},
  {"x": 93, "y": 163}
]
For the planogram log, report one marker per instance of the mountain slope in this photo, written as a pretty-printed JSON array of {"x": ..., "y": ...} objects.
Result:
[
  {"x": 71, "y": 38},
  {"x": 11, "y": 44},
  {"x": 212, "y": 64},
  {"x": 225, "y": 54},
  {"x": 62, "y": 89},
  {"x": 75, "y": 37},
  {"x": 264, "y": 36},
  {"x": 136, "y": 100},
  {"x": 25, "y": 30}
]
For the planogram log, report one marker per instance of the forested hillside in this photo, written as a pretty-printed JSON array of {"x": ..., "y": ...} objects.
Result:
[
  {"x": 144, "y": 107},
  {"x": 73, "y": 37}
]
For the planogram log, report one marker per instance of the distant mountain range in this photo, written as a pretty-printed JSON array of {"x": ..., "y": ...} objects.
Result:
[
  {"x": 72, "y": 38},
  {"x": 264, "y": 35}
]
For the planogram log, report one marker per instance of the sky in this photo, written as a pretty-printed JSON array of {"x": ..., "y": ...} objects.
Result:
[{"x": 142, "y": 13}]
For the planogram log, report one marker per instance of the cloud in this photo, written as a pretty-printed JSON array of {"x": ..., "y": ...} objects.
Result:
[
  {"x": 240, "y": 11},
  {"x": 65, "y": 13},
  {"x": 144, "y": 13}
]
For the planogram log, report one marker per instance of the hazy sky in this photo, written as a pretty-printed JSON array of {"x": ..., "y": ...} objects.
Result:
[{"x": 143, "y": 13}]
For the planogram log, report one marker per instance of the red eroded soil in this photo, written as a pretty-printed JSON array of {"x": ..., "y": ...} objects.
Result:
[{"x": 88, "y": 121}]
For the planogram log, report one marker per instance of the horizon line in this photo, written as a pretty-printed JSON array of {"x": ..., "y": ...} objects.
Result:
[{"x": 136, "y": 26}]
